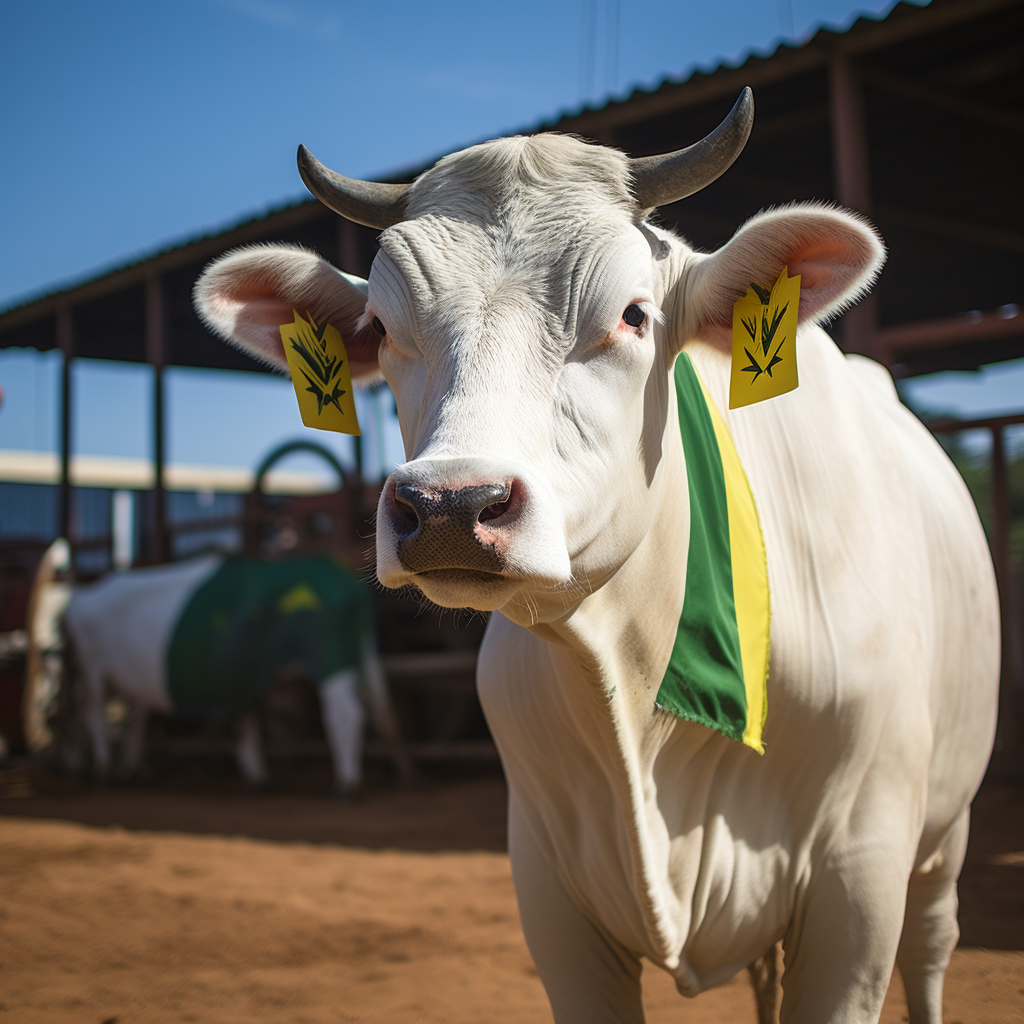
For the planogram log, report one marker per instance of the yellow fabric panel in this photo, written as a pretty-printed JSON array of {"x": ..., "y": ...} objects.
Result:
[{"x": 749, "y": 580}]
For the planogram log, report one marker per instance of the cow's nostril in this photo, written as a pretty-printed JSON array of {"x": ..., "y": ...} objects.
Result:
[
  {"x": 404, "y": 514},
  {"x": 495, "y": 511},
  {"x": 509, "y": 497}
]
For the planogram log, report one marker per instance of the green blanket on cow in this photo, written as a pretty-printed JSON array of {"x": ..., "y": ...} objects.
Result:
[{"x": 251, "y": 619}]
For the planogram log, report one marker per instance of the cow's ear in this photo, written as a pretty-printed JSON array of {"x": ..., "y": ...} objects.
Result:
[
  {"x": 246, "y": 295},
  {"x": 836, "y": 253}
]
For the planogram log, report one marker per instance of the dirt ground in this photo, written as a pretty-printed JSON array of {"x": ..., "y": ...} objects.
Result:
[{"x": 200, "y": 902}]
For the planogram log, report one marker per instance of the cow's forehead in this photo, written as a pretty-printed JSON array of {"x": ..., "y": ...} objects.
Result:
[
  {"x": 524, "y": 217},
  {"x": 444, "y": 278}
]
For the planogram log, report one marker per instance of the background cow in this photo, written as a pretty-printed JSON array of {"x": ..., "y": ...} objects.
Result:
[
  {"x": 206, "y": 638},
  {"x": 532, "y": 321}
]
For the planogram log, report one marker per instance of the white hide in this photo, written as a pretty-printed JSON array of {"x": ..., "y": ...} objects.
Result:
[
  {"x": 120, "y": 628},
  {"x": 634, "y": 834}
]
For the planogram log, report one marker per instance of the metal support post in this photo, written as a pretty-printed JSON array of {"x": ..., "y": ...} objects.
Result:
[
  {"x": 851, "y": 172},
  {"x": 155, "y": 353},
  {"x": 348, "y": 255},
  {"x": 66, "y": 343}
]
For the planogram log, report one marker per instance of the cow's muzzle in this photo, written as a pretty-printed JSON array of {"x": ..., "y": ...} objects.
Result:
[
  {"x": 469, "y": 531},
  {"x": 444, "y": 528}
]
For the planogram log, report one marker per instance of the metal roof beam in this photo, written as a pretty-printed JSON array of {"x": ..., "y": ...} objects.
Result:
[
  {"x": 1003, "y": 119},
  {"x": 949, "y": 227},
  {"x": 954, "y": 330}
]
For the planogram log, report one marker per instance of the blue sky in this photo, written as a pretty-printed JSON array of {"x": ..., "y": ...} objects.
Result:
[{"x": 126, "y": 126}]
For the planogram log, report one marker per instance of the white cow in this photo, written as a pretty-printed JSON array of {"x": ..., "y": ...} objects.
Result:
[
  {"x": 119, "y": 630},
  {"x": 529, "y": 316}
]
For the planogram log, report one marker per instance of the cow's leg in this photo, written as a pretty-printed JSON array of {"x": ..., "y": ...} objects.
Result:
[
  {"x": 841, "y": 947},
  {"x": 764, "y": 977},
  {"x": 134, "y": 743},
  {"x": 930, "y": 930},
  {"x": 70, "y": 724},
  {"x": 93, "y": 695},
  {"x": 343, "y": 720},
  {"x": 249, "y": 751},
  {"x": 589, "y": 977},
  {"x": 382, "y": 712}
]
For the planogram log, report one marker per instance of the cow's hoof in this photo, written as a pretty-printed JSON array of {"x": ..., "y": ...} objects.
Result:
[{"x": 349, "y": 794}]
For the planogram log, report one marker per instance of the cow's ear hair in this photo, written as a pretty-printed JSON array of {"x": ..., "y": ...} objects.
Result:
[
  {"x": 837, "y": 254},
  {"x": 246, "y": 295}
]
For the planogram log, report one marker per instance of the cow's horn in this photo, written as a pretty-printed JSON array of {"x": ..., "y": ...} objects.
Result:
[
  {"x": 366, "y": 202},
  {"x": 662, "y": 179}
]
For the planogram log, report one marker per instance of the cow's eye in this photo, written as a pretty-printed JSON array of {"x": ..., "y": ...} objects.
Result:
[
  {"x": 379, "y": 327},
  {"x": 634, "y": 316}
]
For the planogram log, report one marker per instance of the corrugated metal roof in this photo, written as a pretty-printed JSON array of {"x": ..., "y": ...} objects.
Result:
[{"x": 815, "y": 34}]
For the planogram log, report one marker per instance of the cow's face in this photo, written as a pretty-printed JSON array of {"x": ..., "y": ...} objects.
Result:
[
  {"x": 522, "y": 345},
  {"x": 527, "y": 317}
]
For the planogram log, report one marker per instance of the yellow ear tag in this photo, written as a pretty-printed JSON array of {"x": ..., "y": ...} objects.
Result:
[
  {"x": 764, "y": 342},
  {"x": 320, "y": 375}
]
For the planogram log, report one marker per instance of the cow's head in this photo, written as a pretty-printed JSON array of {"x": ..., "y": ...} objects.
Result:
[{"x": 527, "y": 316}]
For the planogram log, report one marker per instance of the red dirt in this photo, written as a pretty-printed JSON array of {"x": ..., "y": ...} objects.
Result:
[{"x": 212, "y": 905}]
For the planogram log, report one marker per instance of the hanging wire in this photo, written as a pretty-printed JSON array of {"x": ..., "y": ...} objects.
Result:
[
  {"x": 786, "y": 17},
  {"x": 588, "y": 49},
  {"x": 611, "y": 46}
]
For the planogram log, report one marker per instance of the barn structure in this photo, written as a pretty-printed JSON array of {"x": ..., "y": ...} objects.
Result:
[{"x": 914, "y": 119}]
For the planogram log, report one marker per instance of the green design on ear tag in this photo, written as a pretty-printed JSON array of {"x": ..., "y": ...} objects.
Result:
[{"x": 320, "y": 375}]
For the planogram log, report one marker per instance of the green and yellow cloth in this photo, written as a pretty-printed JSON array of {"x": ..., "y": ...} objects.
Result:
[
  {"x": 251, "y": 619},
  {"x": 718, "y": 672}
]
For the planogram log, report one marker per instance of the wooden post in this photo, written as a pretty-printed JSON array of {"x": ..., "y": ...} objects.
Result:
[
  {"x": 852, "y": 181},
  {"x": 348, "y": 255},
  {"x": 1004, "y": 576},
  {"x": 66, "y": 343},
  {"x": 155, "y": 353}
]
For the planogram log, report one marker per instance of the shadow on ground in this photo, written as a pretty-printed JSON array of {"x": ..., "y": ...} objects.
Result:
[{"x": 443, "y": 810}]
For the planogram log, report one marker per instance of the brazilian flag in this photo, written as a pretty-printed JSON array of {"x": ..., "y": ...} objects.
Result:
[{"x": 718, "y": 671}]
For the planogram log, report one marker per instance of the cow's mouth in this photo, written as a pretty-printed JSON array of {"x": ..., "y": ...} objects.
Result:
[
  {"x": 454, "y": 587},
  {"x": 456, "y": 576}
]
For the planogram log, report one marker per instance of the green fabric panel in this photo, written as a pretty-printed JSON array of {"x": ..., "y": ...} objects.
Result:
[
  {"x": 251, "y": 619},
  {"x": 704, "y": 679}
]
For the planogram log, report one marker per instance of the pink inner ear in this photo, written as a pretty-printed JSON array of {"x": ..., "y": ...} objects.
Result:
[
  {"x": 817, "y": 262},
  {"x": 267, "y": 313},
  {"x": 826, "y": 267},
  {"x": 813, "y": 275},
  {"x": 260, "y": 321}
]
